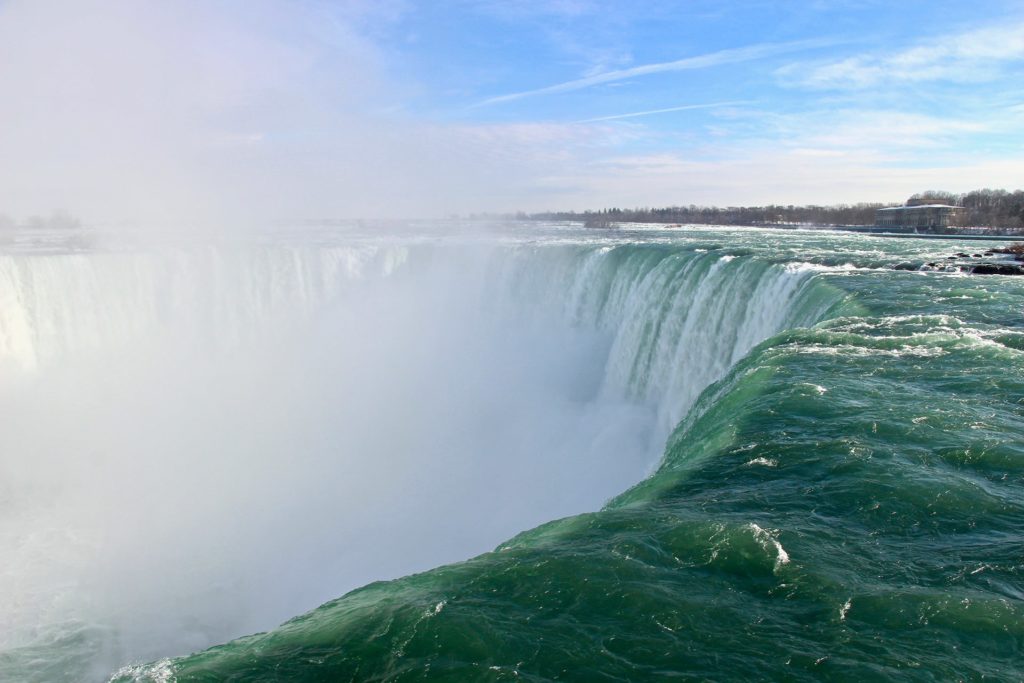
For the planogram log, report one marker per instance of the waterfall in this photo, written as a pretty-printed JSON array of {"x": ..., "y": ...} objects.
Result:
[{"x": 201, "y": 442}]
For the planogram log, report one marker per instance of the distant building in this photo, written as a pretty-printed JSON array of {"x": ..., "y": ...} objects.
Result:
[{"x": 917, "y": 215}]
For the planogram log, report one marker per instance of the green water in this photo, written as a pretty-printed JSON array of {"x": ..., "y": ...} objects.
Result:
[{"x": 845, "y": 502}]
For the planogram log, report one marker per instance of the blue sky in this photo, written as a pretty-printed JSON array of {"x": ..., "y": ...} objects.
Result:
[
  {"x": 934, "y": 90},
  {"x": 451, "y": 106}
]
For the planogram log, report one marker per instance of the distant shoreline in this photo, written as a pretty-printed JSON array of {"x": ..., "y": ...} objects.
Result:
[
  {"x": 871, "y": 230},
  {"x": 935, "y": 236},
  {"x": 861, "y": 229}
]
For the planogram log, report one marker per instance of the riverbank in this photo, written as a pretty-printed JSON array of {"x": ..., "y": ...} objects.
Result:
[{"x": 870, "y": 230}]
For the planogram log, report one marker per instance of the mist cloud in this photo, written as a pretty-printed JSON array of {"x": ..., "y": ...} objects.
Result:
[{"x": 230, "y": 111}]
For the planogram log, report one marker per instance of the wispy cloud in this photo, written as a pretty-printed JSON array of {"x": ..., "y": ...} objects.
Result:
[
  {"x": 730, "y": 56},
  {"x": 685, "y": 107},
  {"x": 881, "y": 130},
  {"x": 962, "y": 57},
  {"x": 770, "y": 176}
]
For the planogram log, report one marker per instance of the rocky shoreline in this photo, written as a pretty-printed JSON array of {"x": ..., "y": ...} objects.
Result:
[{"x": 995, "y": 262}]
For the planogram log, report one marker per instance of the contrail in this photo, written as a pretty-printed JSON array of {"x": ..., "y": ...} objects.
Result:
[
  {"x": 684, "y": 107},
  {"x": 730, "y": 56}
]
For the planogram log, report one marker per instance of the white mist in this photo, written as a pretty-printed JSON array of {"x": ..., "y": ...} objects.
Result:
[{"x": 198, "y": 445}]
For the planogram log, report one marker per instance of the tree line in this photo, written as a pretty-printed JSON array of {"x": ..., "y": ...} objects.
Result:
[
  {"x": 994, "y": 208},
  {"x": 988, "y": 208}
]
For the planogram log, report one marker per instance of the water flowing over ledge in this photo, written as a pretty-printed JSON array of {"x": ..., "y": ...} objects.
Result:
[
  {"x": 295, "y": 404},
  {"x": 839, "y": 502}
]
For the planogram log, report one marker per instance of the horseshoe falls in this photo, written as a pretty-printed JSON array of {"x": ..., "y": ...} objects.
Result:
[{"x": 528, "y": 452}]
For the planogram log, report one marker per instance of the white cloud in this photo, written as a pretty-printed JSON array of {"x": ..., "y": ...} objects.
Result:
[
  {"x": 816, "y": 157},
  {"x": 768, "y": 176},
  {"x": 120, "y": 107},
  {"x": 228, "y": 112},
  {"x": 876, "y": 129},
  {"x": 234, "y": 111},
  {"x": 971, "y": 56}
]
